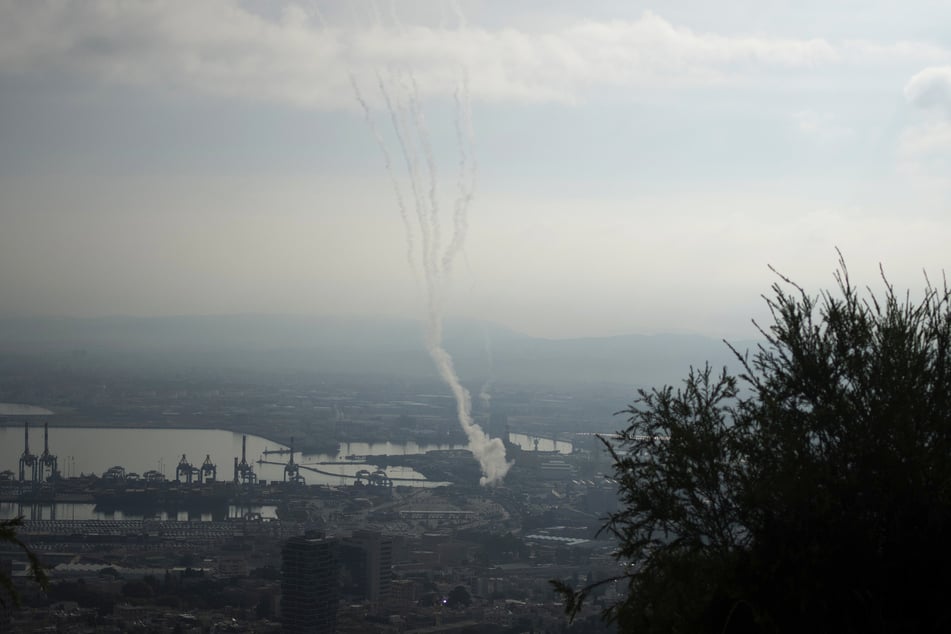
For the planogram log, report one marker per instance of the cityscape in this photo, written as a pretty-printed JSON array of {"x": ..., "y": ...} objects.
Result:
[
  {"x": 415, "y": 543},
  {"x": 468, "y": 317}
]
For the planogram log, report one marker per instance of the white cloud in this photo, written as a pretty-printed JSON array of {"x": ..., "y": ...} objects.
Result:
[
  {"x": 875, "y": 53},
  {"x": 926, "y": 139},
  {"x": 924, "y": 160},
  {"x": 924, "y": 149},
  {"x": 823, "y": 126},
  {"x": 634, "y": 262},
  {"x": 218, "y": 47},
  {"x": 931, "y": 88}
]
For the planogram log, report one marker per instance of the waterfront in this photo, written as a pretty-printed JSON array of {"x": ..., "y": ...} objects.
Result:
[
  {"x": 95, "y": 449},
  {"x": 85, "y": 450},
  {"x": 527, "y": 443},
  {"x": 19, "y": 409},
  {"x": 86, "y": 511}
]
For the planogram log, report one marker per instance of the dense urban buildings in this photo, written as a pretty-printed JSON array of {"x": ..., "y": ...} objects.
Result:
[{"x": 128, "y": 552}]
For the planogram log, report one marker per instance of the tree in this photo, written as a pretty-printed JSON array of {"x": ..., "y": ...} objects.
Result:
[
  {"x": 459, "y": 597},
  {"x": 8, "y": 535},
  {"x": 810, "y": 493},
  {"x": 137, "y": 589}
]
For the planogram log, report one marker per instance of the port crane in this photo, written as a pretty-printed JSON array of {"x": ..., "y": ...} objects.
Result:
[
  {"x": 243, "y": 472},
  {"x": 28, "y": 460}
]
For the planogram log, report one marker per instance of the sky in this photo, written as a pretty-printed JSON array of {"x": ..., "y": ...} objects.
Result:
[{"x": 589, "y": 169}]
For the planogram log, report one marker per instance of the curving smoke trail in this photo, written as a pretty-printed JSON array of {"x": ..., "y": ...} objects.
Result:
[
  {"x": 467, "y": 172},
  {"x": 400, "y": 96},
  {"x": 485, "y": 392},
  {"x": 427, "y": 148},
  {"x": 400, "y": 204},
  {"x": 490, "y": 452},
  {"x": 401, "y": 129}
]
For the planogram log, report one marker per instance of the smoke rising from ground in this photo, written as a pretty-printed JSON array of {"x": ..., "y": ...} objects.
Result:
[{"x": 400, "y": 95}]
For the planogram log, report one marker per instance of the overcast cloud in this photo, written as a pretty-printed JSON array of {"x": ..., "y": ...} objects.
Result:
[
  {"x": 638, "y": 167},
  {"x": 299, "y": 58}
]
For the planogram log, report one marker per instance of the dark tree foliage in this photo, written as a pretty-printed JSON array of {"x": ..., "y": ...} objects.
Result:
[
  {"x": 459, "y": 598},
  {"x": 8, "y": 536},
  {"x": 810, "y": 493},
  {"x": 137, "y": 589}
]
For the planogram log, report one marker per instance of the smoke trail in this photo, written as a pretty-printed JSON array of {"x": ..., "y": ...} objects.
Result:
[
  {"x": 467, "y": 171},
  {"x": 460, "y": 16},
  {"x": 490, "y": 452},
  {"x": 317, "y": 13},
  {"x": 430, "y": 164},
  {"x": 400, "y": 95},
  {"x": 377, "y": 16},
  {"x": 398, "y": 119},
  {"x": 485, "y": 394},
  {"x": 395, "y": 17},
  {"x": 400, "y": 204}
]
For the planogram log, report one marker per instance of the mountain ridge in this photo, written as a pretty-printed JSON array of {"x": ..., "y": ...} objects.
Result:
[{"x": 354, "y": 345}]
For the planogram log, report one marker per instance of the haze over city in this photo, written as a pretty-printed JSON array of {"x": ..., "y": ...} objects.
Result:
[
  {"x": 474, "y": 317},
  {"x": 638, "y": 166}
]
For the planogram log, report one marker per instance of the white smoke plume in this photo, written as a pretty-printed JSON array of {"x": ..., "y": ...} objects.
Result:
[
  {"x": 400, "y": 96},
  {"x": 485, "y": 392}
]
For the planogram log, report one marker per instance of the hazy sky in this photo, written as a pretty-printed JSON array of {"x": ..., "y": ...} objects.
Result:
[{"x": 638, "y": 165}]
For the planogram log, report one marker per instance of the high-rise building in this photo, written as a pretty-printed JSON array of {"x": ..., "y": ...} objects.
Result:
[
  {"x": 368, "y": 556},
  {"x": 309, "y": 577},
  {"x": 6, "y": 598}
]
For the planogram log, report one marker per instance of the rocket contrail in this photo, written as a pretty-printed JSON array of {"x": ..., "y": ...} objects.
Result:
[
  {"x": 467, "y": 172},
  {"x": 398, "y": 119},
  {"x": 400, "y": 204},
  {"x": 430, "y": 163},
  {"x": 485, "y": 392},
  {"x": 400, "y": 96}
]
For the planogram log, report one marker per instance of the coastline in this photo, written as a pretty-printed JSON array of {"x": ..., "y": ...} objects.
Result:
[
  {"x": 23, "y": 409},
  {"x": 8, "y": 421}
]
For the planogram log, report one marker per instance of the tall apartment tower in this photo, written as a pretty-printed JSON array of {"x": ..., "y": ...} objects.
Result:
[
  {"x": 309, "y": 577},
  {"x": 369, "y": 557}
]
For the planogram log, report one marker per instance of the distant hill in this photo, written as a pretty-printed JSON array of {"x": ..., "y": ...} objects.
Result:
[{"x": 355, "y": 346}]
